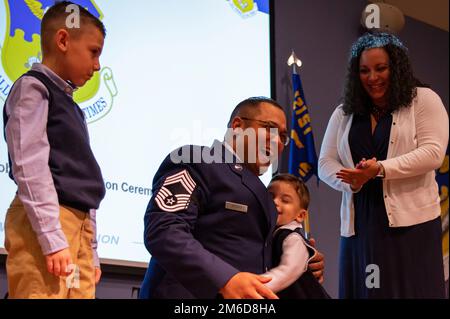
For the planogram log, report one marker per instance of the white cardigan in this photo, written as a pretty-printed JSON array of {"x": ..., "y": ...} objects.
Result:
[{"x": 418, "y": 141}]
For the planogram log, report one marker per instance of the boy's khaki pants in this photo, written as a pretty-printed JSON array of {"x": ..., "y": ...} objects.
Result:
[{"x": 26, "y": 268}]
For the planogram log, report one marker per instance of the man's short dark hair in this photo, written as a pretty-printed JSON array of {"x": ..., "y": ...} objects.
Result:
[
  {"x": 55, "y": 19},
  {"x": 250, "y": 107}
]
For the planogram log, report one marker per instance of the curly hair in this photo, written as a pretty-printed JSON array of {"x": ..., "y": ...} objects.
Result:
[{"x": 401, "y": 91}]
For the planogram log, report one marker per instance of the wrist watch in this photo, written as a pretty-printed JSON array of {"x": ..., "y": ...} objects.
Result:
[{"x": 381, "y": 172}]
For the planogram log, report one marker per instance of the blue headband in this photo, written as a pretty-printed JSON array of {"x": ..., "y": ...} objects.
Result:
[{"x": 375, "y": 40}]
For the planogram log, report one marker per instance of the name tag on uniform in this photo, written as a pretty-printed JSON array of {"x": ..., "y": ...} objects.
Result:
[{"x": 237, "y": 207}]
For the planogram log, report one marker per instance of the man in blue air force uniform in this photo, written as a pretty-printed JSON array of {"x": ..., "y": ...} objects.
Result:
[{"x": 209, "y": 223}]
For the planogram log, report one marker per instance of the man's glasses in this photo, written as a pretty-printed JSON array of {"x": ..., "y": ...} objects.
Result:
[{"x": 269, "y": 125}]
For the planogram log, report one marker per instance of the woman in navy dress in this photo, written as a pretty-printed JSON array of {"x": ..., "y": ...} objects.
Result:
[{"x": 380, "y": 150}]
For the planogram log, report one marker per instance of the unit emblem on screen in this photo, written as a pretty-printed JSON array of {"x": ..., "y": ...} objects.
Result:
[
  {"x": 249, "y": 8},
  {"x": 20, "y": 49}
]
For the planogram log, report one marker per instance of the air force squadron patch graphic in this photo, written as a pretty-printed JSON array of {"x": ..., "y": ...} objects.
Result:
[
  {"x": 249, "y": 8},
  {"x": 20, "y": 48},
  {"x": 175, "y": 194}
]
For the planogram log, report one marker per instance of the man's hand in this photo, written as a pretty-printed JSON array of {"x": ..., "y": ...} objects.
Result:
[
  {"x": 317, "y": 263},
  {"x": 245, "y": 285},
  {"x": 98, "y": 274},
  {"x": 57, "y": 263}
]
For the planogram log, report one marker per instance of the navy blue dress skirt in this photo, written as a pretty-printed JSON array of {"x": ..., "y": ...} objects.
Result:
[{"x": 409, "y": 259}]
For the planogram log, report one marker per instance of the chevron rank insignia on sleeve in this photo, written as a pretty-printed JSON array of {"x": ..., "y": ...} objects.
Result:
[{"x": 175, "y": 193}]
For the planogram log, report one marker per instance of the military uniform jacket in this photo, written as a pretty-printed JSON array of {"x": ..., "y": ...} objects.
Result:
[{"x": 205, "y": 222}]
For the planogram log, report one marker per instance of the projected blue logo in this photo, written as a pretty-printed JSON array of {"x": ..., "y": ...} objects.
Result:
[{"x": 249, "y": 8}]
